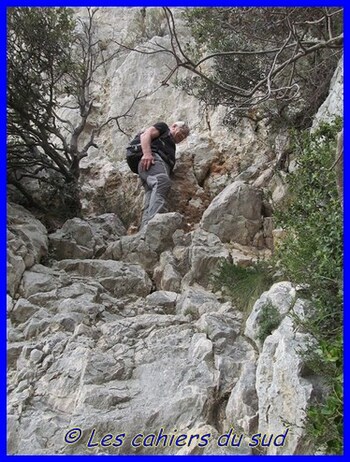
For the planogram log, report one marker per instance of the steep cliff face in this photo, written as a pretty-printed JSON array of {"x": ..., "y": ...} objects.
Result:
[
  {"x": 117, "y": 343},
  {"x": 211, "y": 158}
]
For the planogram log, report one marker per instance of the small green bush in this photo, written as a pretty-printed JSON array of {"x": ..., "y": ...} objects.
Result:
[
  {"x": 312, "y": 251},
  {"x": 243, "y": 285},
  {"x": 312, "y": 255},
  {"x": 325, "y": 420},
  {"x": 269, "y": 320}
]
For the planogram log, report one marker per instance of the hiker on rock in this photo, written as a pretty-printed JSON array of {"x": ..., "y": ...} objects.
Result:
[{"x": 158, "y": 144}]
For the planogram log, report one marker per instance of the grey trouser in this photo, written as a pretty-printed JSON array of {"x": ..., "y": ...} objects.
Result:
[{"x": 156, "y": 183}]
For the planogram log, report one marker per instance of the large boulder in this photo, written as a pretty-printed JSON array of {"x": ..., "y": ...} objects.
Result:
[
  {"x": 195, "y": 301},
  {"x": 145, "y": 247},
  {"x": 27, "y": 244},
  {"x": 235, "y": 215},
  {"x": 117, "y": 277},
  {"x": 205, "y": 254},
  {"x": 166, "y": 274},
  {"x": 87, "y": 238}
]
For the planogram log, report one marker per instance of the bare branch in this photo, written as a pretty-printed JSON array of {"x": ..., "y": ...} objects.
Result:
[
  {"x": 337, "y": 41},
  {"x": 144, "y": 51},
  {"x": 174, "y": 37},
  {"x": 124, "y": 115},
  {"x": 249, "y": 53}
]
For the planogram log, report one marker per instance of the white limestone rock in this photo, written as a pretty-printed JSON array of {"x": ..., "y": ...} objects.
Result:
[
  {"x": 205, "y": 254},
  {"x": 145, "y": 247},
  {"x": 242, "y": 406},
  {"x": 235, "y": 214},
  {"x": 334, "y": 103},
  {"x": 281, "y": 296},
  {"x": 195, "y": 301},
  {"x": 166, "y": 275},
  {"x": 27, "y": 244},
  {"x": 87, "y": 238},
  {"x": 284, "y": 394},
  {"x": 117, "y": 277}
]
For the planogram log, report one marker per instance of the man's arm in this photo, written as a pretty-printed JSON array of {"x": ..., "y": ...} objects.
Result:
[{"x": 146, "y": 139}]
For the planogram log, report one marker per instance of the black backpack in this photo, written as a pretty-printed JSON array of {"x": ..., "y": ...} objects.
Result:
[{"x": 134, "y": 151}]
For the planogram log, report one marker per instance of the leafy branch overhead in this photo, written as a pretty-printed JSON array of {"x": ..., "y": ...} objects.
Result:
[{"x": 243, "y": 57}]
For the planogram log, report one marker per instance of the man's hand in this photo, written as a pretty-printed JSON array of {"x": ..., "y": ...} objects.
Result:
[{"x": 146, "y": 161}]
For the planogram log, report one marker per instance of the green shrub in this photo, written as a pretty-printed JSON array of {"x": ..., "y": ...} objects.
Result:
[
  {"x": 269, "y": 320},
  {"x": 243, "y": 285},
  {"x": 312, "y": 252},
  {"x": 311, "y": 255},
  {"x": 325, "y": 420}
]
